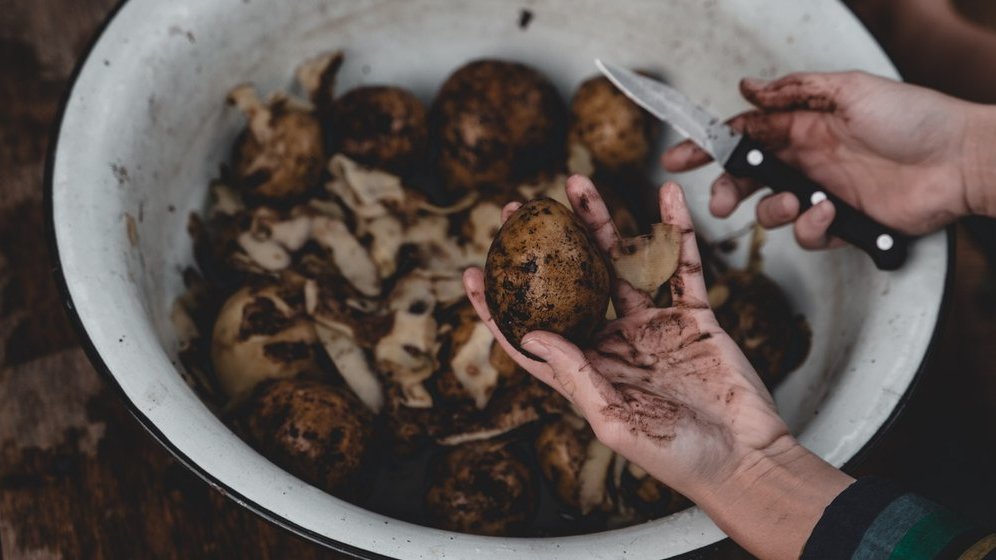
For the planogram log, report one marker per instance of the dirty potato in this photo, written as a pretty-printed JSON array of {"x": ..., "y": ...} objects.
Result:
[
  {"x": 381, "y": 126},
  {"x": 544, "y": 272},
  {"x": 616, "y": 132},
  {"x": 496, "y": 124},
  {"x": 575, "y": 463},
  {"x": 757, "y": 314},
  {"x": 318, "y": 432},
  {"x": 481, "y": 488}
]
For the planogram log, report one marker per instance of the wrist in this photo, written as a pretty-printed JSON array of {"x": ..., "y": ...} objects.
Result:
[
  {"x": 771, "y": 501},
  {"x": 979, "y": 161}
]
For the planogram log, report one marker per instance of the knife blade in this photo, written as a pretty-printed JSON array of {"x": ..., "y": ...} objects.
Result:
[{"x": 741, "y": 156}]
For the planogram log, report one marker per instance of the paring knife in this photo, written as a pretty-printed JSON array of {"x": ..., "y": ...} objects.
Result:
[{"x": 743, "y": 157}]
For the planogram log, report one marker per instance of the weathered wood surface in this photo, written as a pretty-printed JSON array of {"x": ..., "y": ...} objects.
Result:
[{"x": 79, "y": 478}]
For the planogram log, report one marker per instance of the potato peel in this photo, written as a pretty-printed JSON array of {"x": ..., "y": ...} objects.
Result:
[{"x": 647, "y": 261}]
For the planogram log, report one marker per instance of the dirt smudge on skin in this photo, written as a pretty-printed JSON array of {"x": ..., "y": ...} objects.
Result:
[
  {"x": 649, "y": 415},
  {"x": 793, "y": 93},
  {"x": 639, "y": 371},
  {"x": 585, "y": 203}
]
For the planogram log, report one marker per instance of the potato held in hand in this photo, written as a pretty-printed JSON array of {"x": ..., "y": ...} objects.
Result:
[{"x": 543, "y": 272}]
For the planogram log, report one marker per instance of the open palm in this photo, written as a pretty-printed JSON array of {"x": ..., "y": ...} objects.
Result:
[{"x": 666, "y": 388}]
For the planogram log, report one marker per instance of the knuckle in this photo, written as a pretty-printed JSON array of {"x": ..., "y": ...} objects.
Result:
[
  {"x": 585, "y": 368},
  {"x": 568, "y": 385}
]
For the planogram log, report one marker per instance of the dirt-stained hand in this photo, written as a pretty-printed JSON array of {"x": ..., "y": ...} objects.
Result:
[
  {"x": 666, "y": 388},
  {"x": 894, "y": 151}
]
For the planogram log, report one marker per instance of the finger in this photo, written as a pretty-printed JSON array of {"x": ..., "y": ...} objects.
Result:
[
  {"x": 728, "y": 192},
  {"x": 591, "y": 209},
  {"x": 473, "y": 281},
  {"x": 473, "y": 284},
  {"x": 776, "y": 210},
  {"x": 771, "y": 130},
  {"x": 571, "y": 373},
  {"x": 508, "y": 210},
  {"x": 811, "y": 227},
  {"x": 687, "y": 285},
  {"x": 684, "y": 156},
  {"x": 806, "y": 91}
]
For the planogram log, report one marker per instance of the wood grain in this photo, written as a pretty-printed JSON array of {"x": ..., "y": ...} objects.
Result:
[{"x": 79, "y": 478}]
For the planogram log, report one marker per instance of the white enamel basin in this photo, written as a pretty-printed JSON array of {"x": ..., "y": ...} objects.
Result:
[{"x": 146, "y": 127}]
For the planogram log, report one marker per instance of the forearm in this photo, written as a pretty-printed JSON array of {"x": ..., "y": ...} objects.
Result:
[
  {"x": 979, "y": 161},
  {"x": 772, "y": 502}
]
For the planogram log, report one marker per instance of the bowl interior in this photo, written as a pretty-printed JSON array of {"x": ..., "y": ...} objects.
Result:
[{"x": 146, "y": 128}]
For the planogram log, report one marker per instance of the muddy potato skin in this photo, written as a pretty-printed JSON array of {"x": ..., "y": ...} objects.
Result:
[
  {"x": 760, "y": 320},
  {"x": 318, "y": 432},
  {"x": 560, "y": 450},
  {"x": 480, "y": 488},
  {"x": 543, "y": 272},
  {"x": 496, "y": 123},
  {"x": 286, "y": 164},
  {"x": 617, "y": 133},
  {"x": 381, "y": 126}
]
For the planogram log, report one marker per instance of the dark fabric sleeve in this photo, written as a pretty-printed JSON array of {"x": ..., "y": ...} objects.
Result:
[
  {"x": 875, "y": 519},
  {"x": 839, "y": 532}
]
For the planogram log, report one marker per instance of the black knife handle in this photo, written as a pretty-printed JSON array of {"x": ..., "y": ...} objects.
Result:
[{"x": 887, "y": 247}]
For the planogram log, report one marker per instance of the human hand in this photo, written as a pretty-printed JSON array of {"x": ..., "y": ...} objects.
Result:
[
  {"x": 666, "y": 388},
  {"x": 670, "y": 391},
  {"x": 902, "y": 154}
]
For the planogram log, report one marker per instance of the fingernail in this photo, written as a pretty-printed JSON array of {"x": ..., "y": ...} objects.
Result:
[
  {"x": 672, "y": 193},
  {"x": 787, "y": 205},
  {"x": 535, "y": 347},
  {"x": 756, "y": 83},
  {"x": 824, "y": 211},
  {"x": 723, "y": 196}
]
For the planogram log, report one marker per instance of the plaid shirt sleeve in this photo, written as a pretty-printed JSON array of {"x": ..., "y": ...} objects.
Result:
[{"x": 874, "y": 519}]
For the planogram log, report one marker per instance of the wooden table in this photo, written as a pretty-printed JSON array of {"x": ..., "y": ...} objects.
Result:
[{"x": 79, "y": 478}]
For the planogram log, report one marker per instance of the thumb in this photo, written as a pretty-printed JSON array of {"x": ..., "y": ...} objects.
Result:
[
  {"x": 571, "y": 373},
  {"x": 800, "y": 91}
]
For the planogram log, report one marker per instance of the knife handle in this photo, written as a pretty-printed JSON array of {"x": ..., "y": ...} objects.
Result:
[{"x": 886, "y": 247}]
